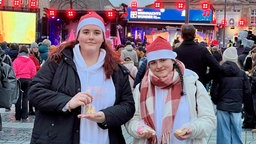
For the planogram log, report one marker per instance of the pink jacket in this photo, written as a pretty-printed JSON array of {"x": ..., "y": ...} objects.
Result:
[{"x": 24, "y": 67}]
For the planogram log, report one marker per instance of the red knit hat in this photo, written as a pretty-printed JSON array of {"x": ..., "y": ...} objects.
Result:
[
  {"x": 160, "y": 48},
  {"x": 91, "y": 18}
]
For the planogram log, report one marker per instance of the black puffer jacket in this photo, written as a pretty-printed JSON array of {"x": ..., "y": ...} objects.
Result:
[
  {"x": 231, "y": 88},
  {"x": 51, "y": 89}
]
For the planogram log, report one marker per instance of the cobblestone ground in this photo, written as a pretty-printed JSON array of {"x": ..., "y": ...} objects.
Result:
[{"x": 17, "y": 132}]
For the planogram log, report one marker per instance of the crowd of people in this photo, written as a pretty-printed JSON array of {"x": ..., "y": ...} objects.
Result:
[
  {"x": 84, "y": 90},
  {"x": 25, "y": 61}
]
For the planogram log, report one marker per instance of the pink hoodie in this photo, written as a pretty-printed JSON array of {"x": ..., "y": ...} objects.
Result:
[{"x": 24, "y": 67}]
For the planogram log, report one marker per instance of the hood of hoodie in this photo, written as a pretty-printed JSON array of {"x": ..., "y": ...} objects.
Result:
[
  {"x": 229, "y": 68},
  {"x": 81, "y": 64},
  {"x": 23, "y": 59},
  {"x": 129, "y": 47}
]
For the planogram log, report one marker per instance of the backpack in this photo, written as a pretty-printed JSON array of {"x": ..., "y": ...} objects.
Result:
[
  {"x": 7, "y": 59},
  {"x": 9, "y": 85}
]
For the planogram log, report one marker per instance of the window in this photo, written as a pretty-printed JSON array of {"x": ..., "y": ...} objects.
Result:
[
  {"x": 253, "y": 17},
  {"x": 236, "y": 10}
]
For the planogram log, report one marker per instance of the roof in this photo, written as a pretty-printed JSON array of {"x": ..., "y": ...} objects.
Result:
[{"x": 82, "y": 4}]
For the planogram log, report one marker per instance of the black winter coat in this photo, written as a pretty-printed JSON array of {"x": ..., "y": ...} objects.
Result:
[
  {"x": 197, "y": 58},
  {"x": 231, "y": 88},
  {"x": 54, "y": 85}
]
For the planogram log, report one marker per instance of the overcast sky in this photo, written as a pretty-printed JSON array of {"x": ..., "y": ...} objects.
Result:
[{"x": 141, "y": 3}]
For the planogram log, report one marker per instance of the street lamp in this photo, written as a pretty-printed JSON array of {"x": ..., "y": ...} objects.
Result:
[
  {"x": 187, "y": 12},
  {"x": 224, "y": 27}
]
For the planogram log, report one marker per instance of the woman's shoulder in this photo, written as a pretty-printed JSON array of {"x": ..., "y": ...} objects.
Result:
[
  {"x": 191, "y": 74},
  {"x": 121, "y": 68}
]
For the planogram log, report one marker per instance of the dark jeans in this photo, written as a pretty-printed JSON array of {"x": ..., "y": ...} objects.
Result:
[{"x": 21, "y": 107}]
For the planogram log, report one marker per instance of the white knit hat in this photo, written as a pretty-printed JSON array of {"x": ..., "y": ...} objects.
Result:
[
  {"x": 230, "y": 54},
  {"x": 91, "y": 18},
  {"x": 160, "y": 48}
]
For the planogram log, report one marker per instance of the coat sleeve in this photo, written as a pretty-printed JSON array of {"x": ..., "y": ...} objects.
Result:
[
  {"x": 42, "y": 94},
  {"x": 133, "y": 125}
]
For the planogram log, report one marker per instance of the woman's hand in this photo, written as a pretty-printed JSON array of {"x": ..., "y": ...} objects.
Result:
[
  {"x": 80, "y": 99},
  {"x": 183, "y": 133},
  {"x": 98, "y": 117},
  {"x": 147, "y": 133}
]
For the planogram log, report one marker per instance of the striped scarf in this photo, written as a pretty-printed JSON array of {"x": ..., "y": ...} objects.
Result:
[{"x": 147, "y": 101}]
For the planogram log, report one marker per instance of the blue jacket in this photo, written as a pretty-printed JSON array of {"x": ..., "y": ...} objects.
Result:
[{"x": 141, "y": 71}]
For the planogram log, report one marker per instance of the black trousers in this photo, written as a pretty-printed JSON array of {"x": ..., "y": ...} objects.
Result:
[{"x": 21, "y": 107}]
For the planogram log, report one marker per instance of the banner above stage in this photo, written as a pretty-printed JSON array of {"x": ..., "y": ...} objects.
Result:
[{"x": 174, "y": 15}]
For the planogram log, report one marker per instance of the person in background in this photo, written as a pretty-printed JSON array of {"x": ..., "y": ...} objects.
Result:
[
  {"x": 230, "y": 44},
  {"x": 82, "y": 93},
  {"x": 237, "y": 42},
  {"x": 119, "y": 48},
  {"x": 4, "y": 46},
  {"x": 249, "y": 121},
  {"x": 144, "y": 43},
  {"x": 176, "y": 42},
  {"x": 242, "y": 58},
  {"x": 5, "y": 57},
  {"x": 216, "y": 53},
  {"x": 14, "y": 51},
  {"x": 142, "y": 67},
  {"x": 35, "y": 55},
  {"x": 129, "y": 51},
  {"x": 252, "y": 75},
  {"x": 25, "y": 70},
  {"x": 129, "y": 64},
  {"x": 141, "y": 52},
  {"x": 195, "y": 57},
  {"x": 230, "y": 89},
  {"x": 172, "y": 106},
  {"x": 44, "y": 49}
]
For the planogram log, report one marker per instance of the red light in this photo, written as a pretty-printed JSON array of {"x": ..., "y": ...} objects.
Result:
[
  {"x": 1, "y": 2},
  {"x": 71, "y": 13},
  {"x": 110, "y": 14},
  {"x": 223, "y": 22},
  {"x": 16, "y": 3},
  {"x": 205, "y": 6},
  {"x": 52, "y": 13},
  {"x": 33, "y": 4},
  {"x": 134, "y": 4},
  {"x": 158, "y": 5},
  {"x": 241, "y": 22},
  {"x": 180, "y": 5}
]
